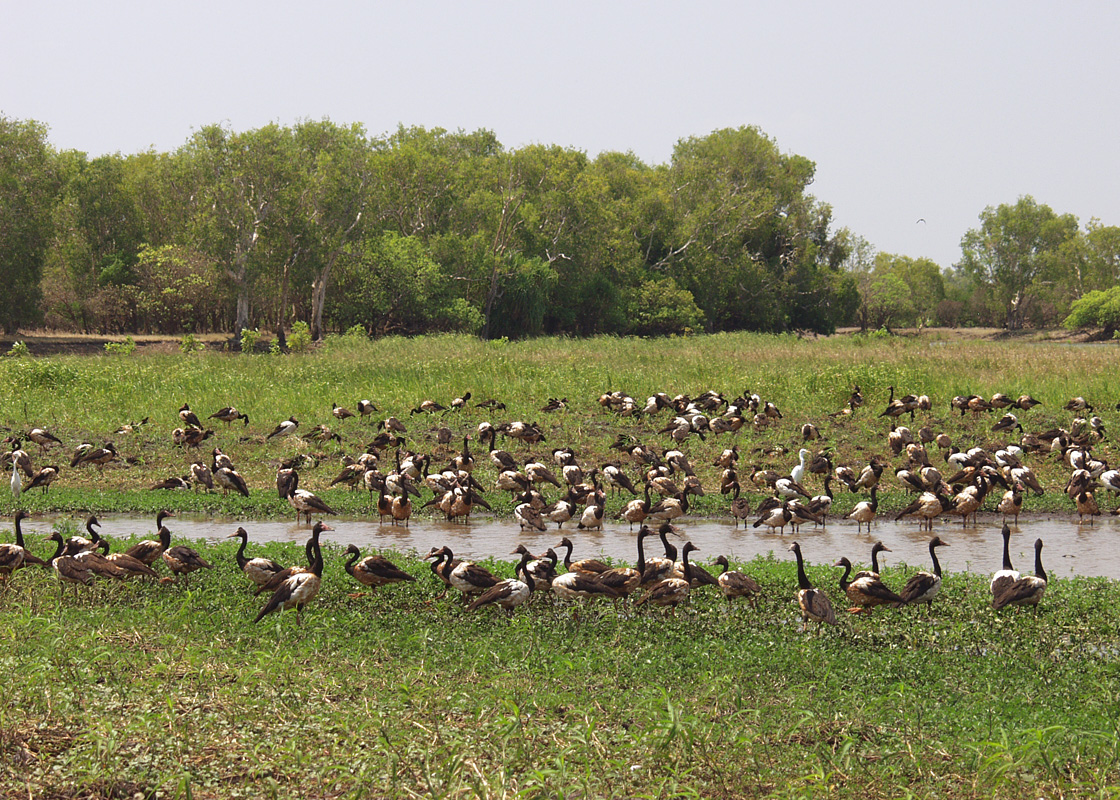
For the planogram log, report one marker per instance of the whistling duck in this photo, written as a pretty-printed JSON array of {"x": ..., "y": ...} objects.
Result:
[
  {"x": 228, "y": 415},
  {"x": 1027, "y": 590},
  {"x": 510, "y": 593},
  {"x": 400, "y": 509},
  {"x": 814, "y": 603},
  {"x": 149, "y": 550},
  {"x": 927, "y": 508},
  {"x": 865, "y": 510},
  {"x": 220, "y": 460},
  {"x": 366, "y": 408},
  {"x": 924, "y": 586},
  {"x": 189, "y": 417},
  {"x": 99, "y": 456},
  {"x": 867, "y": 591},
  {"x": 285, "y": 428},
  {"x": 740, "y": 507},
  {"x": 1012, "y": 502},
  {"x": 301, "y": 588},
  {"x": 259, "y": 570},
  {"x": 1087, "y": 506},
  {"x": 733, "y": 583},
  {"x": 373, "y": 571}
]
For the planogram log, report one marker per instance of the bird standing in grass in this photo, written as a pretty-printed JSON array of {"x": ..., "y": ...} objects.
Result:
[
  {"x": 814, "y": 603},
  {"x": 301, "y": 588}
]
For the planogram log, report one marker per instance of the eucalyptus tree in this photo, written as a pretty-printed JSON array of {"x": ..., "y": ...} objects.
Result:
[
  {"x": 749, "y": 243},
  {"x": 28, "y": 189},
  {"x": 1015, "y": 249},
  {"x": 243, "y": 187}
]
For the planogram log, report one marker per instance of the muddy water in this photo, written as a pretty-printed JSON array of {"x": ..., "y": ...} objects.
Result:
[{"x": 1070, "y": 548}]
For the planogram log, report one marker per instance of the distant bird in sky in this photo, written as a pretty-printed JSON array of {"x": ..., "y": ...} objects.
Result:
[{"x": 921, "y": 220}]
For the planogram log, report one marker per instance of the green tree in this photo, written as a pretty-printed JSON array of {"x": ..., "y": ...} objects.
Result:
[
  {"x": 243, "y": 184},
  {"x": 1012, "y": 249},
  {"x": 749, "y": 243},
  {"x": 28, "y": 187},
  {"x": 1096, "y": 309}
]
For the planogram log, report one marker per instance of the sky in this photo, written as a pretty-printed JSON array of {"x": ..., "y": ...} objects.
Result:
[{"x": 910, "y": 111}]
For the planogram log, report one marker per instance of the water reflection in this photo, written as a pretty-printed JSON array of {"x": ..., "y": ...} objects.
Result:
[{"x": 1071, "y": 549}]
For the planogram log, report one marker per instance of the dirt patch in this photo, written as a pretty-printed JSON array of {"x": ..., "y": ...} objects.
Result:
[{"x": 52, "y": 344}]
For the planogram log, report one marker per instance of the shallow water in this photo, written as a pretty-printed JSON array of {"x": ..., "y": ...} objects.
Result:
[{"x": 1070, "y": 548}]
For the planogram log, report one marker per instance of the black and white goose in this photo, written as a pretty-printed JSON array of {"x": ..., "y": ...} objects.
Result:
[
  {"x": 299, "y": 589},
  {"x": 924, "y": 586},
  {"x": 1027, "y": 590}
]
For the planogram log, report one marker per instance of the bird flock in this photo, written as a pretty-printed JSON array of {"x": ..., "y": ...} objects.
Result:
[{"x": 397, "y": 478}]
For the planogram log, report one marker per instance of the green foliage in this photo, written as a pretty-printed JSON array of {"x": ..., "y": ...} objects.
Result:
[
  {"x": 28, "y": 187},
  {"x": 299, "y": 340},
  {"x": 18, "y": 350},
  {"x": 190, "y": 344},
  {"x": 1096, "y": 309},
  {"x": 660, "y": 307},
  {"x": 249, "y": 339},
  {"x": 1015, "y": 248},
  {"x": 125, "y": 348}
]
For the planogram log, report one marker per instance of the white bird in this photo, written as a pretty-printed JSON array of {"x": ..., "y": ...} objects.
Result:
[
  {"x": 17, "y": 482},
  {"x": 798, "y": 472}
]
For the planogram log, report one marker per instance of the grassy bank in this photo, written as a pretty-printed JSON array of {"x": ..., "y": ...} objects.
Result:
[
  {"x": 88, "y": 398},
  {"x": 170, "y": 690}
]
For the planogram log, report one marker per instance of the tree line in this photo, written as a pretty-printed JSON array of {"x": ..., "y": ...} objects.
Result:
[{"x": 430, "y": 230}]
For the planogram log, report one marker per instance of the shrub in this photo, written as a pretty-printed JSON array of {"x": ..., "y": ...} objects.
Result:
[
  {"x": 19, "y": 350},
  {"x": 299, "y": 340},
  {"x": 249, "y": 339},
  {"x": 189, "y": 344},
  {"x": 125, "y": 348}
]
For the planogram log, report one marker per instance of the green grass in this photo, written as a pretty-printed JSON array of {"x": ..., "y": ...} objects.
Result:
[
  {"x": 172, "y": 690},
  {"x": 87, "y": 398}
]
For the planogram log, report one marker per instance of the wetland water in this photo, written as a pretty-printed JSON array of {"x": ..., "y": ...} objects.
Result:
[{"x": 1070, "y": 548}]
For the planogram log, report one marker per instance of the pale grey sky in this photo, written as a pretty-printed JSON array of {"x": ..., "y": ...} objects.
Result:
[{"x": 910, "y": 111}]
